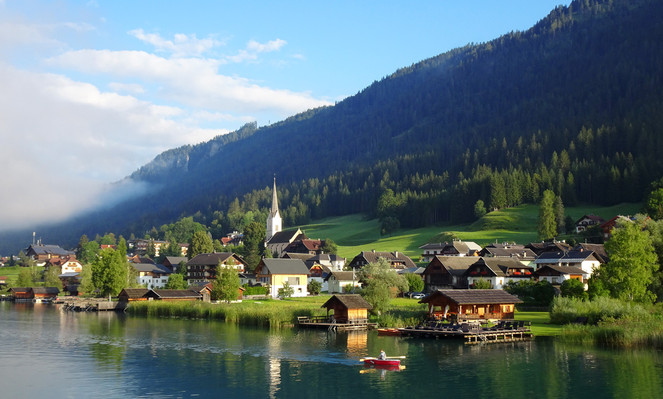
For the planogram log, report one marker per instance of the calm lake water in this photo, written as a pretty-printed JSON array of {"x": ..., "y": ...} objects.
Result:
[{"x": 47, "y": 352}]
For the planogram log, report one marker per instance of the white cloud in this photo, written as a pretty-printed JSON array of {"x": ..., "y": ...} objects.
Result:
[
  {"x": 131, "y": 88},
  {"x": 64, "y": 140},
  {"x": 194, "y": 82},
  {"x": 181, "y": 45},
  {"x": 253, "y": 48}
]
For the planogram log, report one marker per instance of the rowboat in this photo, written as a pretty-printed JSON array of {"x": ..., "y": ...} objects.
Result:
[
  {"x": 373, "y": 361},
  {"x": 389, "y": 331}
]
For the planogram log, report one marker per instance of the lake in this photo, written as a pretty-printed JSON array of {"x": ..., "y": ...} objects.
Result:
[{"x": 47, "y": 352}]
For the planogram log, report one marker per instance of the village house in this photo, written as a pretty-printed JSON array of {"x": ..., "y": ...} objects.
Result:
[
  {"x": 202, "y": 268},
  {"x": 606, "y": 228},
  {"x": 581, "y": 258},
  {"x": 471, "y": 304},
  {"x": 133, "y": 294},
  {"x": 276, "y": 272},
  {"x": 280, "y": 241},
  {"x": 556, "y": 275},
  {"x": 445, "y": 272},
  {"x": 455, "y": 248},
  {"x": 42, "y": 253},
  {"x": 548, "y": 246},
  {"x": 173, "y": 262},
  {"x": 151, "y": 275},
  {"x": 509, "y": 250},
  {"x": 498, "y": 272},
  {"x": 338, "y": 281},
  {"x": 396, "y": 259},
  {"x": 587, "y": 222}
]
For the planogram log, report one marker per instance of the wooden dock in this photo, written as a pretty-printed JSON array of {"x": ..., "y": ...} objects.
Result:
[
  {"x": 92, "y": 305},
  {"x": 473, "y": 333},
  {"x": 329, "y": 323}
]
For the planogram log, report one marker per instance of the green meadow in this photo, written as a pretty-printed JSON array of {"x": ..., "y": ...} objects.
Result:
[{"x": 354, "y": 233}]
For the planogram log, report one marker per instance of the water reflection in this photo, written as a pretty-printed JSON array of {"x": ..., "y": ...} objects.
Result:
[{"x": 79, "y": 354}]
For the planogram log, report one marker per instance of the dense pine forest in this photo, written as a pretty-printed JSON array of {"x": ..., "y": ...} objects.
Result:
[{"x": 573, "y": 105}]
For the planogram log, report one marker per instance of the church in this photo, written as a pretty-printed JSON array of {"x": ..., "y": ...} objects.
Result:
[{"x": 277, "y": 240}]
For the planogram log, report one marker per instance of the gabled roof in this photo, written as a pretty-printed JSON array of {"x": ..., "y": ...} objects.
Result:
[
  {"x": 565, "y": 257},
  {"x": 46, "y": 290},
  {"x": 561, "y": 269},
  {"x": 343, "y": 276},
  {"x": 595, "y": 219},
  {"x": 135, "y": 292},
  {"x": 455, "y": 265},
  {"x": 49, "y": 250},
  {"x": 296, "y": 255},
  {"x": 349, "y": 301},
  {"x": 504, "y": 252},
  {"x": 289, "y": 236},
  {"x": 151, "y": 268},
  {"x": 213, "y": 259},
  {"x": 391, "y": 257},
  {"x": 175, "y": 260},
  {"x": 598, "y": 249},
  {"x": 283, "y": 266},
  {"x": 188, "y": 293},
  {"x": 474, "y": 297}
]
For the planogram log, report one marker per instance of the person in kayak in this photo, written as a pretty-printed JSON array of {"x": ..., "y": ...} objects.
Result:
[{"x": 383, "y": 356}]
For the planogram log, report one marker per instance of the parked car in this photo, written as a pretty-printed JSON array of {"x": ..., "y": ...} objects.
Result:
[{"x": 418, "y": 295}]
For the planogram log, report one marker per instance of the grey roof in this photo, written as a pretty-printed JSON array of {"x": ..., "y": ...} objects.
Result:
[
  {"x": 455, "y": 265},
  {"x": 566, "y": 256},
  {"x": 49, "y": 249},
  {"x": 598, "y": 249},
  {"x": 70, "y": 274},
  {"x": 391, "y": 257},
  {"x": 296, "y": 255},
  {"x": 284, "y": 266},
  {"x": 212, "y": 259},
  {"x": 175, "y": 260},
  {"x": 505, "y": 252},
  {"x": 188, "y": 293},
  {"x": 349, "y": 301},
  {"x": 135, "y": 292},
  {"x": 343, "y": 276},
  {"x": 151, "y": 268},
  {"x": 289, "y": 236},
  {"x": 561, "y": 269},
  {"x": 474, "y": 297}
]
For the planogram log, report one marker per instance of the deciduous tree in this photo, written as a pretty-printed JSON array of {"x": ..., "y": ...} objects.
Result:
[
  {"x": 547, "y": 226},
  {"x": 227, "y": 283}
]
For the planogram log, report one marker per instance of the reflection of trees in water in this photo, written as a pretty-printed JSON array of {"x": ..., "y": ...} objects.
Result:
[{"x": 107, "y": 330}]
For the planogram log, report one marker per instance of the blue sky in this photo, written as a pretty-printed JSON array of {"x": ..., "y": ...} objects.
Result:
[{"x": 92, "y": 90}]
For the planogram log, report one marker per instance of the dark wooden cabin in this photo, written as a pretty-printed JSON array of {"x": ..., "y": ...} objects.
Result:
[
  {"x": 133, "y": 294},
  {"x": 471, "y": 304}
]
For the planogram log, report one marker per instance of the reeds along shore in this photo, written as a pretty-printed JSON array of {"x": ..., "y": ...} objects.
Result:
[
  {"x": 610, "y": 323},
  {"x": 264, "y": 313}
]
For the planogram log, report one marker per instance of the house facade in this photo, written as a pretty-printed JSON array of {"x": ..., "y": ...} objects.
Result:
[
  {"x": 396, "y": 259},
  {"x": 581, "y": 258},
  {"x": 337, "y": 281},
  {"x": 348, "y": 308},
  {"x": 202, "y": 268},
  {"x": 455, "y": 248},
  {"x": 150, "y": 275},
  {"x": 471, "y": 304},
  {"x": 498, "y": 272},
  {"x": 276, "y": 272},
  {"x": 446, "y": 272}
]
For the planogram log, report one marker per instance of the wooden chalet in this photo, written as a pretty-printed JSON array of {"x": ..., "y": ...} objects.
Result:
[
  {"x": 497, "y": 271},
  {"x": 202, "y": 268},
  {"x": 348, "y": 308},
  {"x": 134, "y": 294},
  {"x": 471, "y": 304},
  {"x": 444, "y": 272}
]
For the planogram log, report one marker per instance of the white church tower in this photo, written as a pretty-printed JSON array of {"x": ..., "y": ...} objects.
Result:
[{"x": 274, "y": 219}]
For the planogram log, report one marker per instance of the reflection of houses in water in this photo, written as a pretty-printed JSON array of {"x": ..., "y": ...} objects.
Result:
[{"x": 273, "y": 365}]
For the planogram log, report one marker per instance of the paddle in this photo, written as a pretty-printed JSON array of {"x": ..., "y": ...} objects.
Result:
[
  {"x": 366, "y": 358},
  {"x": 395, "y": 357}
]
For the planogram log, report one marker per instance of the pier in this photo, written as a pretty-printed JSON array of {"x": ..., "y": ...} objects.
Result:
[
  {"x": 472, "y": 333},
  {"x": 91, "y": 305},
  {"x": 330, "y": 323}
]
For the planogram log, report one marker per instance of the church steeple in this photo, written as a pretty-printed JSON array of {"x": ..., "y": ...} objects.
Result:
[{"x": 273, "y": 219}]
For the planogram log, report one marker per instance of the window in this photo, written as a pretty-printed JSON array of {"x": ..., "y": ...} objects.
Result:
[{"x": 293, "y": 280}]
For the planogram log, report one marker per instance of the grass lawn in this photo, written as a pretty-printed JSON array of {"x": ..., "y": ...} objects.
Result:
[
  {"x": 11, "y": 272},
  {"x": 354, "y": 233},
  {"x": 540, "y": 323}
]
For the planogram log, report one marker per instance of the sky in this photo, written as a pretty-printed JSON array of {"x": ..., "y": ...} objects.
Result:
[{"x": 92, "y": 90}]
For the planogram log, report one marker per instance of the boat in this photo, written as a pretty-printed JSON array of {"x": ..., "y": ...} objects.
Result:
[
  {"x": 389, "y": 331},
  {"x": 373, "y": 361}
]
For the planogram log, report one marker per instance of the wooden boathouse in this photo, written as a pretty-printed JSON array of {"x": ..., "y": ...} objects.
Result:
[
  {"x": 472, "y": 333},
  {"x": 350, "y": 313},
  {"x": 459, "y": 305}
]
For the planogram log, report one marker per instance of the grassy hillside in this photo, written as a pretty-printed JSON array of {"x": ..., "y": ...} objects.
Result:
[{"x": 354, "y": 234}]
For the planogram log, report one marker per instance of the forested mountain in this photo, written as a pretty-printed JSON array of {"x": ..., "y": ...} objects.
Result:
[{"x": 573, "y": 104}]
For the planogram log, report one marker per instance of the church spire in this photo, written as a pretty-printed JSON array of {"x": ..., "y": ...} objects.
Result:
[
  {"x": 273, "y": 219},
  {"x": 275, "y": 200}
]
